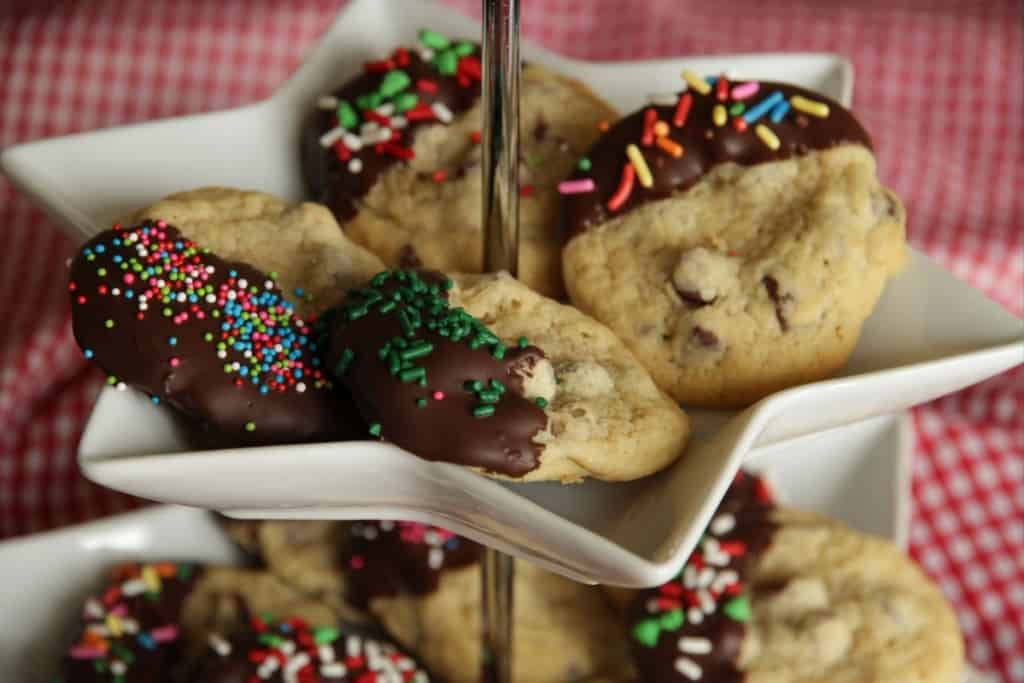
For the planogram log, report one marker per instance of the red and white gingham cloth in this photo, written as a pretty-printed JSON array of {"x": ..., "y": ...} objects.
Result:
[{"x": 939, "y": 85}]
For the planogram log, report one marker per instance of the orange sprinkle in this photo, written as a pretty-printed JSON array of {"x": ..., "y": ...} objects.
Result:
[
  {"x": 661, "y": 129},
  {"x": 603, "y": 126},
  {"x": 670, "y": 147}
]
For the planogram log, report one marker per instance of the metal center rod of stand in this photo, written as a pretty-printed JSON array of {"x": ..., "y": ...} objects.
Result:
[{"x": 500, "y": 103}]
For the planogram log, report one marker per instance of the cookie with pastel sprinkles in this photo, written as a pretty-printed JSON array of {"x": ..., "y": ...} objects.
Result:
[
  {"x": 212, "y": 338},
  {"x": 290, "y": 650},
  {"x": 395, "y": 154},
  {"x": 775, "y": 594},
  {"x": 736, "y": 239},
  {"x": 482, "y": 371}
]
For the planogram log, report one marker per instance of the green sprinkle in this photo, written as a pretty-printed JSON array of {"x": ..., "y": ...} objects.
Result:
[
  {"x": 498, "y": 351},
  {"x": 380, "y": 278},
  {"x": 387, "y": 307},
  {"x": 497, "y": 386},
  {"x": 394, "y": 363},
  {"x": 394, "y": 82},
  {"x": 435, "y": 41},
  {"x": 417, "y": 350},
  {"x": 473, "y": 385},
  {"x": 347, "y": 116},
  {"x": 322, "y": 635},
  {"x": 463, "y": 48},
  {"x": 672, "y": 620},
  {"x": 738, "y": 609},
  {"x": 584, "y": 164},
  {"x": 446, "y": 63},
  {"x": 250, "y": 426},
  {"x": 523, "y": 342},
  {"x": 167, "y": 312},
  {"x": 347, "y": 356},
  {"x": 485, "y": 410},
  {"x": 368, "y": 101},
  {"x": 489, "y": 396},
  {"x": 412, "y": 374},
  {"x": 421, "y": 402},
  {"x": 541, "y": 402},
  {"x": 405, "y": 101},
  {"x": 646, "y": 632},
  {"x": 737, "y": 109},
  {"x": 375, "y": 429},
  {"x": 185, "y": 571},
  {"x": 109, "y": 323},
  {"x": 270, "y": 639}
]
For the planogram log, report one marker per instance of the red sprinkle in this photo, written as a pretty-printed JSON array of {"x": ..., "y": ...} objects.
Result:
[
  {"x": 739, "y": 123},
  {"x": 438, "y": 395},
  {"x": 423, "y": 85},
  {"x": 72, "y": 286},
  {"x": 764, "y": 494},
  {"x": 682, "y": 110},
  {"x": 420, "y": 112},
  {"x": 475, "y": 137},
  {"x": 734, "y": 548},
  {"x": 341, "y": 150},
  {"x": 439, "y": 176},
  {"x": 526, "y": 191},
  {"x": 81, "y": 299},
  {"x": 401, "y": 57},
  {"x": 371, "y": 115},
  {"x": 378, "y": 67},
  {"x": 470, "y": 66},
  {"x": 398, "y": 151},
  {"x": 722, "y": 88},
  {"x": 650, "y": 117},
  {"x": 624, "y": 189},
  {"x": 102, "y": 289}
]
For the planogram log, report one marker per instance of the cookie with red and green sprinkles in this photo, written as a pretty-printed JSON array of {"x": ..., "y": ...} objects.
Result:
[
  {"x": 214, "y": 339},
  {"x": 484, "y": 372},
  {"x": 395, "y": 154},
  {"x": 289, "y": 650},
  {"x": 773, "y": 593},
  {"x": 735, "y": 236}
]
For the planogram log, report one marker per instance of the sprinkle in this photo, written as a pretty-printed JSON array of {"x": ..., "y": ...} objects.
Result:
[
  {"x": 332, "y": 670},
  {"x": 394, "y": 82},
  {"x": 250, "y": 426},
  {"x": 355, "y": 166},
  {"x": 662, "y": 99},
  {"x": 603, "y": 126},
  {"x": 723, "y": 524},
  {"x": 584, "y": 164},
  {"x": 375, "y": 429},
  {"x": 485, "y": 410},
  {"x": 164, "y": 633},
  {"x": 88, "y": 353},
  {"x": 739, "y": 124},
  {"x": 580, "y": 186},
  {"x": 475, "y": 137},
  {"x": 718, "y": 115},
  {"x": 737, "y": 109},
  {"x": 809, "y": 106},
  {"x": 219, "y": 645},
  {"x": 643, "y": 172},
  {"x": 689, "y": 668},
  {"x": 779, "y": 111},
  {"x": 442, "y": 112},
  {"x": 439, "y": 176},
  {"x": 694, "y": 645},
  {"x": 682, "y": 110},
  {"x": 696, "y": 82},
  {"x": 327, "y": 102},
  {"x": 437, "y": 395},
  {"x": 722, "y": 89},
  {"x": 738, "y": 609},
  {"x": 745, "y": 90},
  {"x": 424, "y": 85},
  {"x": 625, "y": 188},
  {"x": 435, "y": 41},
  {"x": 526, "y": 191},
  {"x": 763, "y": 107},
  {"x": 670, "y": 147},
  {"x": 347, "y": 117},
  {"x": 661, "y": 129},
  {"x": 541, "y": 402},
  {"x": 767, "y": 136},
  {"x": 522, "y": 343},
  {"x": 330, "y": 137},
  {"x": 650, "y": 117}
]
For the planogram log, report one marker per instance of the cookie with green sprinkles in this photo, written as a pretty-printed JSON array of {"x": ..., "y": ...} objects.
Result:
[{"x": 484, "y": 372}]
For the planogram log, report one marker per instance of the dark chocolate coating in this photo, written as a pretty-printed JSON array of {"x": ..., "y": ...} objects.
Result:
[
  {"x": 328, "y": 178},
  {"x": 395, "y": 559},
  {"x": 444, "y": 429},
  {"x": 755, "y": 528},
  {"x": 137, "y": 351},
  {"x": 705, "y": 146}
]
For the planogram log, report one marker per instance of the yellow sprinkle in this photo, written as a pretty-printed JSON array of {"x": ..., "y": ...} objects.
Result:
[
  {"x": 149, "y": 575},
  {"x": 114, "y": 625},
  {"x": 643, "y": 173},
  {"x": 696, "y": 82},
  {"x": 660, "y": 129},
  {"x": 767, "y": 135},
  {"x": 807, "y": 106},
  {"x": 719, "y": 115}
]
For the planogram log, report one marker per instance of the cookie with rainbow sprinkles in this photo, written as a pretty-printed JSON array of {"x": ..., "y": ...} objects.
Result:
[
  {"x": 395, "y": 153},
  {"x": 735, "y": 236}
]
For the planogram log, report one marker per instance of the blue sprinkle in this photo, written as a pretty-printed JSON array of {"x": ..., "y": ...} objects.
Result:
[
  {"x": 129, "y": 294},
  {"x": 155, "y": 399},
  {"x": 243, "y": 371},
  {"x": 711, "y": 80},
  {"x": 87, "y": 353},
  {"x": 173, "y": 341},
  {"x": 316, "y": 362},
  {"x": 100, "y": 248},
  {"x": 264, "y": 389},
  {"x": 225, "y": 326},
  {"x": 117, "y": 241},
  {"x": 233, "y": 273},
  {"x": 117, "y": 258},
  {"x": 762, "y": 107},
  {"x": 299, "y": 292},
  {"x": 780, "y": 110},
  {"x": 144, "y": 638},
  {"x": 297, "y": 373}
]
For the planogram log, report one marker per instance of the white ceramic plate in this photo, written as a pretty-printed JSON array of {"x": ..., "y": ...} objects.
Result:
[
  {"x": 43, "y": 578},
  {"x": 930, "y": 335}
]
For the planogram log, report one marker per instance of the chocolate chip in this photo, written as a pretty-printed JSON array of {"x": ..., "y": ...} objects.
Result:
[
  {"x": 408, "y": 258},
  {"x": 693, "y": 299},
  {"x": 705, "y": 337},
  {"x": 540, "y": 131},
  {"x": 772, "y": 285}
]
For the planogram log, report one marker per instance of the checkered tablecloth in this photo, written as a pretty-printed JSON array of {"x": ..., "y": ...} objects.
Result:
[{"x": 939, "y": 85}]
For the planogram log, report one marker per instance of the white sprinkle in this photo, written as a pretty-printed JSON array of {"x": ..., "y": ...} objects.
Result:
[
  {"x": 724, "y": 580},
  {"x": 425, "y": 53},
  {"x": 442, "y": 112},
  {"x": 288, "y": 647},
  {"x": 723, "y": 524},
  {"x": 267, "y": 668},
  {"x": 386, "y": 109},
  {"x": 353, "y": 646},
  {"x": 278, "y": 348},
  {"x": 211, "y": 298},
  {"x": 121, "y": 386},
  {"x": 117, "y": 667},
  {"x": 231, "y": 295},
  {"x": 143, "y": 307},
  {"x": 115, "y": 292},
  {"x": 689, "y": 668},
  {"x": 242, "y": 283},
  {"x": 694, "y": 646},
  {"x": 662, "y": 99},
  {"x": 329, "y": 102},
  {"x": 705, "y": 577},
  {"x": 353, "y": 142},
  {"x": 160, "y": 283},
  {"x": 707, "y": 603},
  {"x": 130, "y": 625},
  {"x": 384, "y": 134},
  {"x": 326, "y": 653},
  {"x": 694, "y": 616},
  {"x": 211, "y": 270},
  {"x": 399, "y": 122},
  {"x": 652, "y": 605},
  {"x": 335, "y": 670},
  {"x": 690, "y": 577},
  {"x": 221, "y": 353},
  {"x": 405, "y": 664},
  {"x": 236, "y": 365},
  {"x": 387, "y": 525},
  {"x": 355, "y": 166},
  {"x": 219, "y": 645},
  {"x": 295, "y": 663},
  {"x": 182, "y": 297},
  {"x": 370, "y": 532},
  {"x": 431, "y": 537},
  {"x": 330, "y": 137},
  {"x": 300, "y": 387},
  {"x": 713, "y": 554},
  {"x": 369, "y": 128},
  {"x": 133, "y": 587},
  {"x": 374, "y": 658},
  {"x": 435, "y": 558},
  {"x": 93, "y": 609}
]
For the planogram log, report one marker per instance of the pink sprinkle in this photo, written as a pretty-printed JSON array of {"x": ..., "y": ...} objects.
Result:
[
  {"x": 175, "y": 362},
  {"x": 356, "y": 562},
  {"x": 576, "y": 186},
  {"x": 438, "y": 395},
  {"x": 119, "y": 610},
  {"x": 164, "y": 633},
  {"x": 128, "y": 278},
  {"x": 161, "y": 224},
  {"x": 85, "y": 652},
  {"x": 742, "y": 92}
]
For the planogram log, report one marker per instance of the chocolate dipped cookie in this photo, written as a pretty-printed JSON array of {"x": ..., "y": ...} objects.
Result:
[
  {"x": 735, "y": 240},
  {"x": 395, "y": 154},
  {"x": 482, "y": 371}
]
